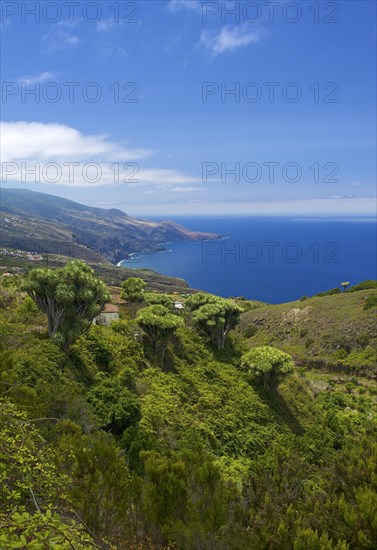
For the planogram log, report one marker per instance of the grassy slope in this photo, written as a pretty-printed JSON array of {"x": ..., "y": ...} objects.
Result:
[
  {"x": 331, "y": 330},
  {"x": 200, "y": 398},
  {"x": 206, "y": 398}
]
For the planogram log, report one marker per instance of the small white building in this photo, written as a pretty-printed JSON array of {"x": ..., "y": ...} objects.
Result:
[
  {"x": 109, "y": 314},
  {"x": 179, "y": 305}
]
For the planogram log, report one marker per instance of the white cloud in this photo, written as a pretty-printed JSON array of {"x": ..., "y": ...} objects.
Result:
[
  {"x": 33, "y": 79},
  {"x": 229, "y": 38},
  {"x": 34, "y": 142},
  {"x": 187, "y": 189},
  {"x": 165, "y": 177},
  {"x": 191, "y": 5},
  {"x": 55, "y": 142},
  {"x": 72, "y": 40},
  {"x": 59, "y": 37},
  {"x": 111, "y": 49},
  {"x": 106, "y": 25}
]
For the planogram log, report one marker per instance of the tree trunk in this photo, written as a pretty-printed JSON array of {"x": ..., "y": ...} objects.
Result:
[{"x": 50, "y": 325}]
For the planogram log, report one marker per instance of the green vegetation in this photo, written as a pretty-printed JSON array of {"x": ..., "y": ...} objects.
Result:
[
  {"x": 328, "y": 292},
  {"x": 214, "y": 317},
  {"x": 159, "y": 325},
  {"x": 365, "y": 285},
  {"x": 152, "y": 298},
  {"x": 268, "y": 442},
  {"x": 46, "y": 224},
  {"x": 267, "y": 366},
  {"x": 71, "y": 297},
  {"x": 28, "y": 475},
  {"x": 111, "y": 275},
  {"x": 336, "y": 332},
  {"x": 370, "y": 302},
  {"x": 133, "y": 289}
]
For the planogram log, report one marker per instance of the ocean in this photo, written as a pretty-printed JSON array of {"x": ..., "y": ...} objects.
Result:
[{"x": 269, "y": 259}]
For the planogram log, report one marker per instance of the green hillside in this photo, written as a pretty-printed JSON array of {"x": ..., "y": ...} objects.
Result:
[
  {"x": 14, "y": 261},
  {"x": 109, "y": 445},
  {"x": 43, "y": 223},
  {"x": 337, "y": 331}
]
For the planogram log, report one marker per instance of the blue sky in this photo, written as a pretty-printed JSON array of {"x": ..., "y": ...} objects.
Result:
[{"x": 299, "y": 132}]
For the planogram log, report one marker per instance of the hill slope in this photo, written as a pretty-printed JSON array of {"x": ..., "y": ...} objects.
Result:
[
  {"x": 108, "y": 445},
  {"x": 334, "y": 331},
  {"x": 40, "y": 222}
]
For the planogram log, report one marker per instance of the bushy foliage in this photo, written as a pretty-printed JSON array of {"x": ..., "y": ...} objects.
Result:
[
  {"x": 185, "y": 498},
  {"x": 114, "y": 405},
  {"x": 216, "y": 318},
  {"x": 154, "y": 298},
  {"x": 195, "y": 301},
  {"x": 365, "y": 285},
  {"x": 35, "y": 511},
  {"x": 101, "y": 448},
  {"x": 71, "y": 297},
  {"x": 330, "y": 292},
  {"x": 36, "y": 378},
  {"x": 133, "y": 289},
  {"x": 159, "y": 325},
  {"x": 370, "y": 302},
  {"x": 100, "y": 482},
  {"x": 249, "y": 331},
  {"x": 267, "y": 365},
  {"x": 108, "y": 350}
]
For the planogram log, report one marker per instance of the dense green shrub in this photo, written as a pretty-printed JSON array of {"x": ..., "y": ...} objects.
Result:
[
  {"x": 159, "y": 325},
  {"x": 267, "y": 365},
  {"x": 115, "y": 407},
  {"x": 121, "y": 454},
  {"x": 34, "y": 509},
  {"x": 249, "y": 331},
  {"x": 133, "y": 289},
  {"x": 328, "y": 292},
  {"x": 153, "y": 298},
  {"x": 340, "y": 354},
  {"x": 216, "y": 318},
  {"x": 70, "y": 296},
  {"x": 365, "y": 285},
  {"x": 309, "y": 342},
  {"x": 370, "y": 302}
]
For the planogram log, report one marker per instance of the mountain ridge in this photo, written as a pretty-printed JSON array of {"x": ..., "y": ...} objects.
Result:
[{"x": 41, "y": 221}]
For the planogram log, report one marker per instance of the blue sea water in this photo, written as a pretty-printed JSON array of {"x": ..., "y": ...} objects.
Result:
[{"x": 269, "y": 259}]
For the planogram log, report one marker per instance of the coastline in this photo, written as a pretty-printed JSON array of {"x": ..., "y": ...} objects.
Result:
[
  {"x": 255, "y": 259},
  {"x": 133, "y": 256}
]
